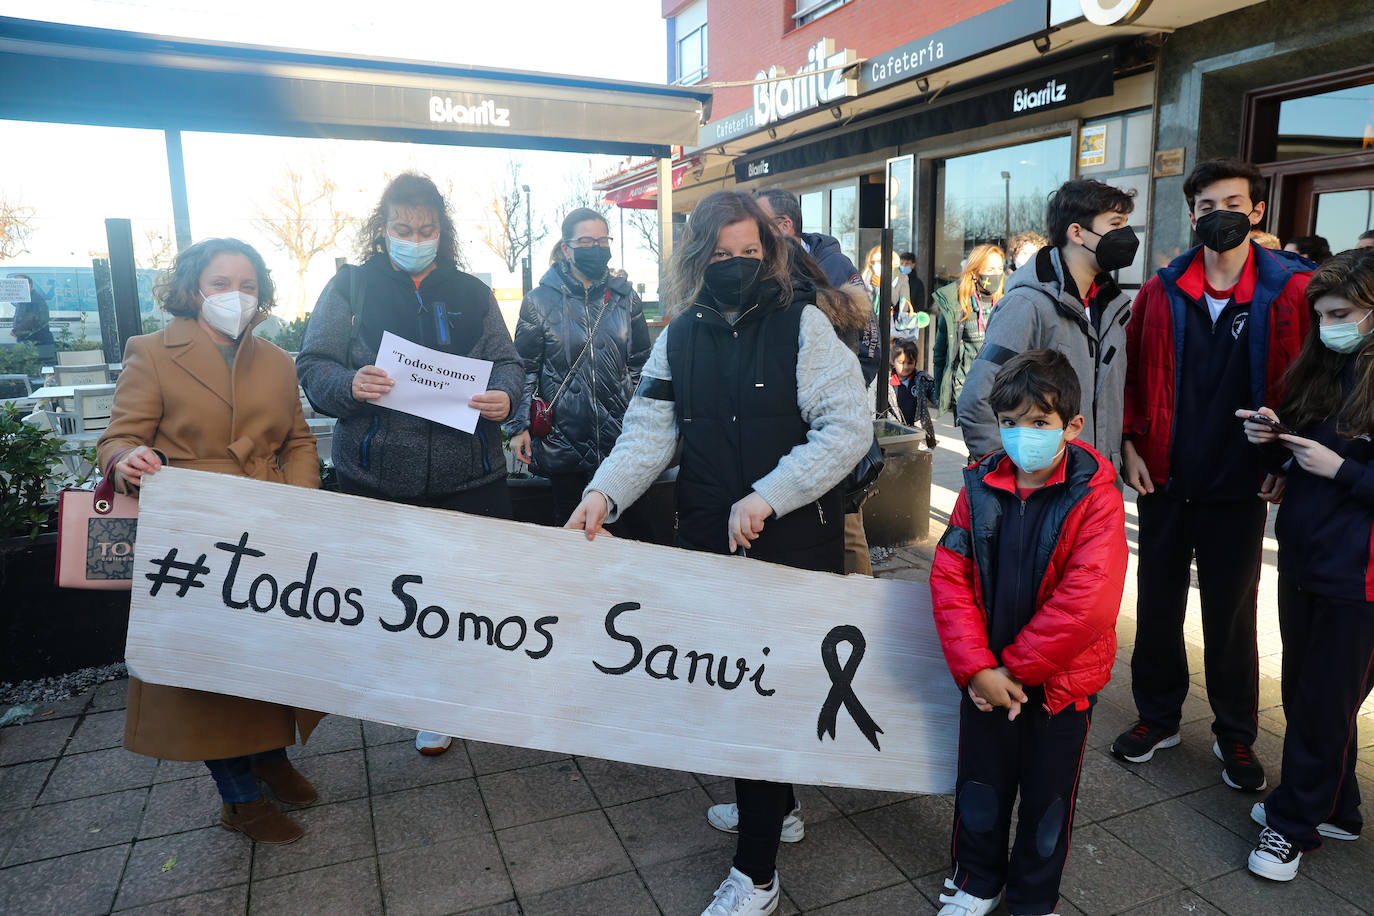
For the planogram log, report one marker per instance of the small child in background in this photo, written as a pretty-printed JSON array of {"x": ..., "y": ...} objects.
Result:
[{"x": 1026, "y": 587}]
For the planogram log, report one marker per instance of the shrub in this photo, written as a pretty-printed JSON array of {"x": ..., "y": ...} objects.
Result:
[{"x": 27, "y": 455}]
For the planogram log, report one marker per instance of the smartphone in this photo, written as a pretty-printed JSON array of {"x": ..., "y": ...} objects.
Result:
[{"x": 1273, "y": 424}]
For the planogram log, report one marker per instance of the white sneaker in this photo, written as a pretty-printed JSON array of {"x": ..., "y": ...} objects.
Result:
[
  {"x": 726, "y": 818},
  {"x": 962, "y": 903},
  {"x": 737, "y": 896},
  {"x": 1330, "y": 831},
  {"x": 1275, "y": 858},
  {"x": 431, "y": 744}
]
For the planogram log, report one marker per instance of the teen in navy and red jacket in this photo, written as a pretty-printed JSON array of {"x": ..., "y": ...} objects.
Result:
[
  {"x": 1326, "y": 574},
  {"x": 1212, "y": 332},
  {"x": 1026, "y": 586}
]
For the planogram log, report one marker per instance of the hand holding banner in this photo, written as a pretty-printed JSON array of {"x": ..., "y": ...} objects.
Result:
[
  {"x": 431, "y": 383},
  {"x": 621, "y": 650}
]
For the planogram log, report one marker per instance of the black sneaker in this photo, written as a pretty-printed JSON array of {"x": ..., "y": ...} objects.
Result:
[
  {"x": 1239, "y": 768},
  {"x": 1140, "y": 742},
  {"x": 1275, "y": 858}
]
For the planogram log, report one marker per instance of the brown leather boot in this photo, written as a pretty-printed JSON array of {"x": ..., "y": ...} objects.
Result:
[
  {"x": 261, "y": 821},
  {"x": 286, "y": 782}
]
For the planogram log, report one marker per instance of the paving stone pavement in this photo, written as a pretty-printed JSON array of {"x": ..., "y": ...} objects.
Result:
[{"x": 87, "y": 827}]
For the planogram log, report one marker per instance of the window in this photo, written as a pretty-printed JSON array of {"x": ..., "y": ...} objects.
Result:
[
  {"x": 811, "y": 10},
  {"x": 690, "y": 28},
  {"x": 985, "y": 197},
  {"x": 1340, "y": 121}
]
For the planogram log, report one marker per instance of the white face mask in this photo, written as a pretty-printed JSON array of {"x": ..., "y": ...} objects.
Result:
[{"x": 229, "y": 313}]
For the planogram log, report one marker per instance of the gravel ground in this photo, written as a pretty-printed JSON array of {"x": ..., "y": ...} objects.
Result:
[{"x": 48, "y": 689}]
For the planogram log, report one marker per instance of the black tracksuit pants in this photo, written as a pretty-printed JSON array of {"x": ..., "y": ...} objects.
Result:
[
  {"x": 1328, "y": 670},
  {"x": 1226, "y": 538},
  {"x": 636, "y": 520},
  {"x": 1038, "y": 756},
  {"x": 763, "y": 806}
]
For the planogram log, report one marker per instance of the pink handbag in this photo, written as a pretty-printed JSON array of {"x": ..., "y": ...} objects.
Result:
[{"x": 95, "y": 536}]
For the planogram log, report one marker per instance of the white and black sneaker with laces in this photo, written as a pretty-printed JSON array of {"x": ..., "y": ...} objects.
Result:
[
  {"x": 1330, "y": 831},
  {"x": 962, "y": 903},
  {"x": 1139, "y": 743},
  {"x": 1275, "y": 858},
  {"x": 726, "y": 818},
  {"x": 738, "y": 896}
]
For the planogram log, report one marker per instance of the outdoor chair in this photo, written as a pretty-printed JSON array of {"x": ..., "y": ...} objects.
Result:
[
  {"x": 87, "y": 374},
  {"x": 91, "y": 407},
  {"x": 75, "y": 357},
  {"x": 15, "y": 386},
  {"x": 70, "y": 463}
]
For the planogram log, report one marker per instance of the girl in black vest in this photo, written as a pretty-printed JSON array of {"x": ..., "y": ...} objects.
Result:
[{"x": 772, "y": 414}]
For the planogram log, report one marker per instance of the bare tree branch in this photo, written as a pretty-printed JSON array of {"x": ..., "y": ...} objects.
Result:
[
  {"x": 16, "y": 227},
  {"x": 302, "y": 220},
  {"x": 644, "y": 225},
  {"x": 156, "y": 249},
  {"x": 505, "y": 231}
]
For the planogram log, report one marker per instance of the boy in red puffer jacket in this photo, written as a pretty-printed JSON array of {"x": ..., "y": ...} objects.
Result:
[{"x": 1026, "y": 587}]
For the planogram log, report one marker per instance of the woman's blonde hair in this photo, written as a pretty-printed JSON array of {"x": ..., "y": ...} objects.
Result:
[
  {"x": 687, "y": 271},
  {"x": 876, "y": 251},
  {"x": 968, "y": 279}
]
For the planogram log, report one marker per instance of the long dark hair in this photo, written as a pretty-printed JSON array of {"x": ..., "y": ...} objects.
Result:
[
  {"x": 178, "y": 288},
  {"x": 410, "y": 189},
  {"x": 1313, "y": 383},
  {"x": 687, "y": 272}
]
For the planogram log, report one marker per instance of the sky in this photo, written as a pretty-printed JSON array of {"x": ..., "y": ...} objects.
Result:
[{"x": 51, "y": 167}]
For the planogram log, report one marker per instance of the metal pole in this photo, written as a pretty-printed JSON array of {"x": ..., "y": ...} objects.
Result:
[
  {"x": 665, "y": 225},
  {"x": 884, "y": 324},
  {"x": 176, "y": 171},
  {"x": 119, "y": 236},
  {"x": 1006, "y": 223},
  {"x": 527, "y": 269}
]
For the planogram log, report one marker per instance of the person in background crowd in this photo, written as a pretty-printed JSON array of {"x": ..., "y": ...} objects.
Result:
[
  {"x": 410, "y": 285},
  {"x": 962, "y": 311},
  {"x": 584, "y": 341},
  {"x": 1025, "y": 589},
  {"x": 207, "y": 393},
  {"x": 908, "y": 299},
  {"x": 732, "y": 290},
  {"x": 31, "y": 322},
  {"x": 1023, "y": 246},
  {"x": 1366, "y": 239},
  {"x": 1214, "y": 330},
  {"x": 873, "y": 275},
  {"x": 1313, "y": 247},
  {"x": 1326, "y": 617},
  {"x": 783, "y": 208},
  {"x": 1265, "y": 239},
  {"x": 909, "y": 387},
  {"x": 1066, "y": 300}
]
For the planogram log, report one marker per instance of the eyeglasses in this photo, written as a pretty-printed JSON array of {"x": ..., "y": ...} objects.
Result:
[{"x": 587, "y": 241}]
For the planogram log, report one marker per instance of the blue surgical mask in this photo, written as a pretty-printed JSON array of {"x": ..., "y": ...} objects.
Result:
[
  {"x": 905, "y": 268},
  {"x": 1031, "y": 449},
  {"x": 1345, "y": 338},
  {"x": 412, "y": 257}
]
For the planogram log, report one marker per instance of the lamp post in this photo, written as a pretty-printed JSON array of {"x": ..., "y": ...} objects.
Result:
[
  {"x": 1006, "y": 221},
  {"x": 527, "y": 272}
]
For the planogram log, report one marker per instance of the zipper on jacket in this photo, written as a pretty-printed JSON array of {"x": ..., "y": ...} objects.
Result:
[
  {"x": 365, "y": 447},
  {"x": 482, "y": 437},
  {"x": 820, "y": 511},
  {"x": 591, "y": 354}
]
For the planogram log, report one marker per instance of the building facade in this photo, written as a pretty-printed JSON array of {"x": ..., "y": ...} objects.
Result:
[{"x": 951, "y": 123}]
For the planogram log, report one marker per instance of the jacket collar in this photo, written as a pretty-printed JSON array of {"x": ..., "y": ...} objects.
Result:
[
  {"x": 193, "y": 350},
  {"x": 1192, "y": 281},
  {"x": 1082, "y": 464}
]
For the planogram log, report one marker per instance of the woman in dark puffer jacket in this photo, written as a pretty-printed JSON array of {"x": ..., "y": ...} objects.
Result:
[{"x": 584, "y": 342}]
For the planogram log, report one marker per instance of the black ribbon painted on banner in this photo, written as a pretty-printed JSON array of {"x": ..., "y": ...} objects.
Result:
[{"x": 841, "y": 679}]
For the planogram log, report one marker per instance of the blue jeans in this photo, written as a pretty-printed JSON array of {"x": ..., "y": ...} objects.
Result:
[{"x": 234, "y": 775}]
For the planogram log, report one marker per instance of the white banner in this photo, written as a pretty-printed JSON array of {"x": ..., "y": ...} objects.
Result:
[
  {"x": 431, "y": 383},
  {"x": 517, "y": 634},
  {"x": 14, "y": 289}
]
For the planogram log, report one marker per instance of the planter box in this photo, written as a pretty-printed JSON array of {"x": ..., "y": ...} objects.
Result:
[
  {"x": 898, "y": 511},
  {"x": 46, "y": 630}
]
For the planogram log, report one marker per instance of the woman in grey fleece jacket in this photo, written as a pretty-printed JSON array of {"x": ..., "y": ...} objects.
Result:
[{"x": 772, "y": 413}]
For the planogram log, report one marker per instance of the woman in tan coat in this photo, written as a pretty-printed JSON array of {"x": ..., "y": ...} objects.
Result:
[{"x": 206, "y": 393}]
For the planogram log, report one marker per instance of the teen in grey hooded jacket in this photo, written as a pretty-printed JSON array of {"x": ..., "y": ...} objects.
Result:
[{"x": 1037, "y": 312}]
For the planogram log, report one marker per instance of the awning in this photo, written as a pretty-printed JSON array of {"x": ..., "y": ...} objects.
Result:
[
  {"x": 75, "y": 74},
  {"x": 638, "y": 190}
]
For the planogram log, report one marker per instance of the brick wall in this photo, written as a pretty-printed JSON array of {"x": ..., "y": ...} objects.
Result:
[{"x": 745, "y": 36}]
